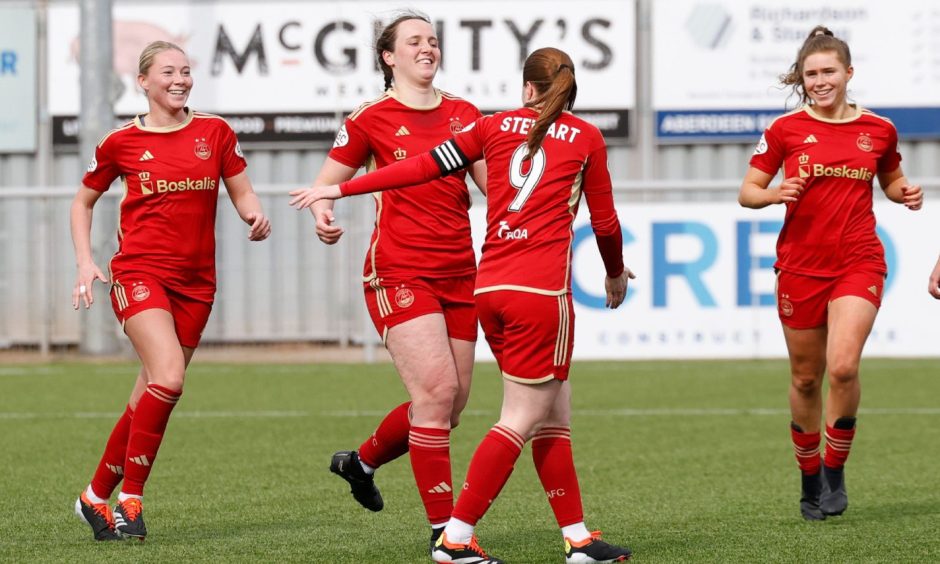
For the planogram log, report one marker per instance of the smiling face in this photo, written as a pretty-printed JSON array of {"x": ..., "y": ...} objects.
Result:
[
  {"x": 416, "y": 55},
  {"x": 825, "y": 80},
  {"x": 167, "y": 82}
]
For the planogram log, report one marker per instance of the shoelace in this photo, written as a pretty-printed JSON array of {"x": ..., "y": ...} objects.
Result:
[
  {"x": 131, "y": 508},
  {"x": 475, "y": 547},
  {"x": 596, "y": 535},
  {"x": 104, "y": 510}
]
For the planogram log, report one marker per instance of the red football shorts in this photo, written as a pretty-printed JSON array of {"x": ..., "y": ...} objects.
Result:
[
  {"x": 531, "y": 335},
  {"x": 392, "y": 302},
  {"x": 803, "y": 301},
  {"x": 135, "y": 292}
]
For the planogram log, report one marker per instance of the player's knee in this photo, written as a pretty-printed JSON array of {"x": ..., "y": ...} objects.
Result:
[
  {"x": 806, "y": 383},
  {"x": 171, "y": 379},
  {"x": 843, "y": 372}
]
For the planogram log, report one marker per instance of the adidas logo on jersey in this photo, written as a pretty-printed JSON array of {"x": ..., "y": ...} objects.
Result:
[
  {"x": 440, "y": 488},
  {"x": 402, "y": 131},
  {"x": 146, "y": 156},
  {"x": 810, "y": 139}
]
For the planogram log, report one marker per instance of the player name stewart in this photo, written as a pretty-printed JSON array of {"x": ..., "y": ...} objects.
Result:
[{"x": 556, "y": 130}]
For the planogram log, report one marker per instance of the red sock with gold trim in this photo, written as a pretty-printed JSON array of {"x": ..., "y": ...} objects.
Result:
[
  {"x": 146, "y": 434},
  {"x": 430, "y": 461},
  {"x": 554, "y": 462},
  {"x": 490, "y": 468},
  {"x": 110, "y": 469},
  {"x": 390, "y": 439},
  {"x": 839, "y": 442},
  {"x": 806, "y": 448}
]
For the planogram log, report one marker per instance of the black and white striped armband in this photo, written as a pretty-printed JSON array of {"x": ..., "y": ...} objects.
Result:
[{"x": 449, "y": 157}]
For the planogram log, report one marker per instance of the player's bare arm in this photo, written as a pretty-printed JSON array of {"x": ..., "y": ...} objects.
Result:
[{"x": 88, "y": 271}]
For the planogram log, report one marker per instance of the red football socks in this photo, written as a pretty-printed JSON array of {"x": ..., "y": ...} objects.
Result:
[
  {"x": 489, "y": 470},
  {"x": 110, "y": 469},
  {"x": 146, "y": 434},
  {"x": 806, "y": 447},
  {"x": 551, "y": 452},
  {"x": 430, "y": 461},
  {"x": 390, "y": 439},
  {"x": 839, "y": 442}
]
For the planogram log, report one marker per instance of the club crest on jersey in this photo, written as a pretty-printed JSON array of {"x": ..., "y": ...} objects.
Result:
[
  {"x": 146, "y": 186},
  {"x": 202, "y": 149},
  {"x": 404, "y": 297},
  {"x": 864, "y": 142},
  {"x": 400, "y": 154},
  {"x": 342, "y": 138},
  {"x": 140, "y": 292},
  {"x": 455, "y": 126}
]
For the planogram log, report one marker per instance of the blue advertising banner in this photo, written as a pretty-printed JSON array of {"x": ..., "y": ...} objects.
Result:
[{"x": 17, "y": 80}]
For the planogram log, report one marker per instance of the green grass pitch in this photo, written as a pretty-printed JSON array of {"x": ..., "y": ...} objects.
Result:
[{"x": 681, "y": 461}]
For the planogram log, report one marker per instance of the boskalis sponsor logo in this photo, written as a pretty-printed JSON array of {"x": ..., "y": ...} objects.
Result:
[
  {"x": 185, "y": 184},
  {"x": 808, "y": 169},
  {"x": 507, "y": 232}
]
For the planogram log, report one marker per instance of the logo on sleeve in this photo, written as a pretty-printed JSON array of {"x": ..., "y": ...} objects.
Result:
[
  {"x": 761, "y": 145},
  {"x": 468, "y": 128},
  {"x": 238, "y": 150},
  {"x": 93, "y": 165},
  {"x": 202, "y": 149},
  {"x": 342, "y": 138}
]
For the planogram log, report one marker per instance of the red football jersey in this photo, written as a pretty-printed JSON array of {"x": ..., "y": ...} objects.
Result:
[
  {"x": 831, "y": 227},
  {"x": 531, "y": 205},
  {"x": 423, "y": 231},
  {"x": 171, "y": 191}
]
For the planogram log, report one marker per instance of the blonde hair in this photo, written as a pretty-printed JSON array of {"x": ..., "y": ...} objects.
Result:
[
  {"x": 551, "y": 72},
  {"x": 151, "y": 51}
]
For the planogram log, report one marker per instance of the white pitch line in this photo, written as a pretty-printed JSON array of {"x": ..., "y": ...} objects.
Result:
[{"x": 625, "y": 412}]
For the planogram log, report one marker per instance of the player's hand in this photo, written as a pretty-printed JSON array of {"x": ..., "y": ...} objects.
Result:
[
  {"x": 87, "y": 274},
  {"x": 934, "y": 287},
  {"x": 260, "y": 226},
  {"x": 327, "y": 231},
  {"x": 617, "y": 288},
  {"x": 305, "y": 197},
  {"x": 912, "y": 197},
  {"x": 790, "y": 190}
]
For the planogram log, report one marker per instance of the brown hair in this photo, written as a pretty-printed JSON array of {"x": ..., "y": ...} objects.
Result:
[
  {"x": 386, "y": 41},
  {"x": 820, "y": 39},
  {"x": 151, "y": 51},
  {"x": 551, "y": 72}
]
